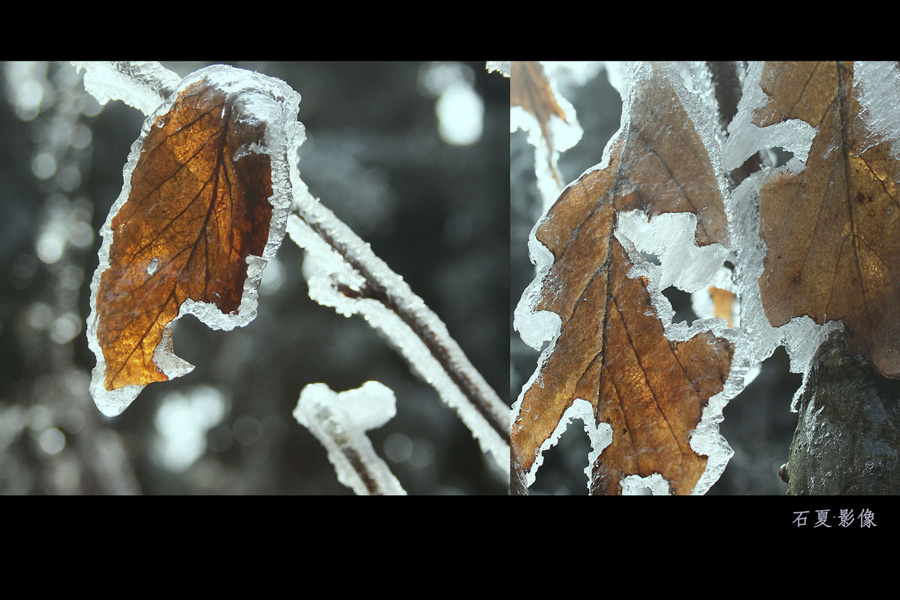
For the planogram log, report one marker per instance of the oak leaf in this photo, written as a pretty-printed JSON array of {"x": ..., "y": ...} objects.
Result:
[
  {"x": 190, "y": 236},
  {"x": 612, "y": 348},
  {"x": 832, "y": 228}
]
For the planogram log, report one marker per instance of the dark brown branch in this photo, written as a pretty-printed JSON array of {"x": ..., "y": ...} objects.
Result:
[{"x": 375, "y": 289}]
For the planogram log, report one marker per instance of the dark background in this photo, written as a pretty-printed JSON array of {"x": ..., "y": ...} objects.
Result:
[
  {"x": 436, "y": 213},
  {"x": 758, "y": 423}
]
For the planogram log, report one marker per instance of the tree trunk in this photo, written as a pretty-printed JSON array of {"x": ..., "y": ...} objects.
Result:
[{"x": 847, "y": 439}]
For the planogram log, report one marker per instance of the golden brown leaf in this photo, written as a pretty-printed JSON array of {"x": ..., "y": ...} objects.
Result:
[
  {"x": 198, "y": 207},
  {"x": 612, "y": 350},
  {"x": 831, "y": 229}
]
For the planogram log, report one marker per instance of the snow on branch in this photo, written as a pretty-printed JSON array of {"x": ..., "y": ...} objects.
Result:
[{"x": 344, "y": 273}]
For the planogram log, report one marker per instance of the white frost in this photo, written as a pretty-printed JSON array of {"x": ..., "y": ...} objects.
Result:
[
  {"x": 878, "y": 87},
  {"x": 536, "y": 327},
  {"x": 500, "y": 66},
  {"x": 105, "y": 82},
  {"x": 340, "y": 421},
  {"x": 746, "y": 139},
  {"x": 670, "y": 237},
  {"x": 573, "y": 73},
  {"x": 652, "y": 485}
]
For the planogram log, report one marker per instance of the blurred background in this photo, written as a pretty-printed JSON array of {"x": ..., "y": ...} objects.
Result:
[
  {"x": 413, "y": 156},
  {"x": 758, "y": 423}
]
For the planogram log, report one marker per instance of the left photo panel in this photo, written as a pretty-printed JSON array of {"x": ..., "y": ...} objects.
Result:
[{"x": 254, "y": 278}]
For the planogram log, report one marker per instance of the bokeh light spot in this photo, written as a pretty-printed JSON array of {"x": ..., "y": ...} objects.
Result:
[{"x": 52, "y": 441}]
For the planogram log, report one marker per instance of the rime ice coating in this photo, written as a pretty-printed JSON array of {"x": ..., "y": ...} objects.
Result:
[
  {"x": 879, "y": 88},
  {"x": 142, "y": 85},
  {"x": 500, "y": 66},
  {"x": 340, "y": 421},
  {"x": 264, "y": 100}
]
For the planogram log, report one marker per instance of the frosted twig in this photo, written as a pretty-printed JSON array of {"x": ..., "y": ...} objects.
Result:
[
  {"x": 345, "y": 274},
  {"x": 142, "y": 85},
  {"x": 339, "y": 421}
]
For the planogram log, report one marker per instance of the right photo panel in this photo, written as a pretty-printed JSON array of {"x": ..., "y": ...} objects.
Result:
[{"x": 704, "y": 278}]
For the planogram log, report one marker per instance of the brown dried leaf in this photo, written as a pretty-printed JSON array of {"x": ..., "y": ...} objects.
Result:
[
  {"x": 195, "y": 212},
  {"x": 831, "y": 230},
  {"x": 612, "y": 350}
]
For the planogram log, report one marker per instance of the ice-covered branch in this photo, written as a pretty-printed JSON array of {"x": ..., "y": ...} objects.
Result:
[
  {"x": 345, "y": 274},
  {"x": 340, "y": 421},
  {"x": 141, "y": 85}
]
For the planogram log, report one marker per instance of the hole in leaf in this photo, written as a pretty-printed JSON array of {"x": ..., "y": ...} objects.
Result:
[
  {"x": 562, "y": 472},
  {"x": 777, "y": 157},
  {"x": 651, "y": 258},
  {"x": 749, "y": 166},
  {"x": 681, "y": 304}
]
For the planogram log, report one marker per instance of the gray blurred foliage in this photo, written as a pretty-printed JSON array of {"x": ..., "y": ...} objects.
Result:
[{"x": 436, "y": 213}]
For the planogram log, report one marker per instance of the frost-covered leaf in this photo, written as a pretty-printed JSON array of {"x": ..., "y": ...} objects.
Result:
[
  {"x": 831, "y": 228},
  {"x": 536, "y": 107},
  {"x": 204, "y": 206},
  {"x": 531, "y": 90},
  {"x": 609, "y": 345}
]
